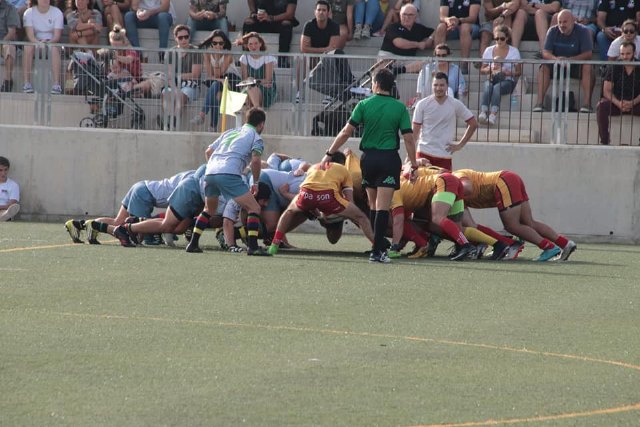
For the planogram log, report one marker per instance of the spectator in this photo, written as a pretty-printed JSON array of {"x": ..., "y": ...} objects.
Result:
[
  {"x": 20, "y": 5},
  {"x": 393, "y": 15},
  {"x": 273, "y": 16},
  {"x": 567, "y": 41},
  {"x": 184, "y": 81},
  {"x": 342, "y": 14},
  {"x": 261, "y": 68},
  {"x": 158, "y": 14},
  {"x": 9, "y": 22},
  {"x": 208, "y": 15},
  {"x": 9, "y": 192},
  {"x": 629, "y": 34},
  {"x": 218, "y": 65},
  {"x": 434, "y": 124},
  {"x": 113, "y": 12},
  {"x": 584, "y": 11},
  {"x": 319, "y": 35},
  {"x": 457, "y": 84},
  {"x": 406, "y": 38},
  {"x": 496, "y": 12},
  {"x": 459, "y": 20},
  {"x": 84, "y": 23},
  {"x": 501, "y": 77},
  {"x": 124, "y": 63},
  {"x": 43, "y": 25},
  {"x": 368, "y": 18},
  {"x": 620, "y": 91},
  {"x": 610, "y": 17},
  {"x": 533, "y": 15}
]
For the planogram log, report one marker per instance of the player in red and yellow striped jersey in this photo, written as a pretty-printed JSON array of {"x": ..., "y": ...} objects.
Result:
[
  {"x": 441, "y": 195},
  {"x": 328, "y": 188},
  {"x": 506, "y": 191}
]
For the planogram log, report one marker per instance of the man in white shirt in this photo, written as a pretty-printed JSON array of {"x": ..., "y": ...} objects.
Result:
[
  {"x": 434, "y": 120},
  {"x": 9, "y": 192}
]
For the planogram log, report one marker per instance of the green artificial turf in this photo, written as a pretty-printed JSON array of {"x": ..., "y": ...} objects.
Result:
[{"x": 105, "y": 335}]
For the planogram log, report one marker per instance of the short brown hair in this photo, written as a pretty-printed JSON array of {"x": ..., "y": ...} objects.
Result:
[{"x": 179, "y": 28}]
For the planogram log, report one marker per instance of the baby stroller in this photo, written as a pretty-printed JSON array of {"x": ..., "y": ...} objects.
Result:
[
  {"x": 336, "y": 113},
  {"x": 106, "y": 97}
]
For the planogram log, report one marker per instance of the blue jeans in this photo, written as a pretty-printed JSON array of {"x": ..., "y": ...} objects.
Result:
[
  {"x": 368, "y": 13},
  {"x": 492, "y": 92},
  {"x": 162, "y": 21},
  {"x": 207, "y": 25},
  {"x": 211, "y": 102},
  {"x": 603, "y": 45}
]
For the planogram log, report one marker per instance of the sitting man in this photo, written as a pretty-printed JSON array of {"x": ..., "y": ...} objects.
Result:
[
  {"x": 620, "y": 91},
  {"x": 208, "y": 15},
  {"x": 9, "y": 23},
  {"x": 459, "y": 20},
  {"x": 532, "y": 21},
  {"x": 326, "y": 189},
  {"x": 9, "y": 192},
  {"x": 406, "y": 39},
  {"x": 158, "y": 14},
  {"x": 609, "y": 18},
  {"x": 567, "y": 41},
  {"x": 496, "y": 12},
  {"x": 84, "y": 23},
  {"x": 342, "y": 14},
  {"x": 272, "y": 16}
]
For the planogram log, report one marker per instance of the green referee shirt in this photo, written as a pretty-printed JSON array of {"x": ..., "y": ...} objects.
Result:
[{"x": 382, "y": 116}]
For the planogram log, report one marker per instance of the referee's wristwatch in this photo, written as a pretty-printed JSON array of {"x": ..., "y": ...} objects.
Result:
[{"x": 328, "y": 153}]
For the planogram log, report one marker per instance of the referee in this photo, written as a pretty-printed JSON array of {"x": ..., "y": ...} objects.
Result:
[{"x": 382, "y": 117}]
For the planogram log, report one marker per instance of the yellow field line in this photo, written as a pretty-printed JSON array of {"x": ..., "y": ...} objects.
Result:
[
  {"x": 62, "y": 245},
  {"x": 492, "y": 422}
]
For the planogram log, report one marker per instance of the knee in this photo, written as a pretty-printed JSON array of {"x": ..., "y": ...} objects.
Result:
[
  {"x": 164, "y": 20},
  {"x": 130, "y": 18}
]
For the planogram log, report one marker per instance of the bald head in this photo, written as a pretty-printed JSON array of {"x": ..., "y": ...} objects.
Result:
[
  {"x": 566, "y": 21},
  {"x": 408, "y": 15}
]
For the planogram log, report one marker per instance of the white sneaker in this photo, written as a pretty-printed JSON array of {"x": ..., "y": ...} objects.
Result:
[
  {"x": 357, "y": 32},
  {"x": 56, "y": 90},
  {"x": 197, "y": 120},
  {"x": 492, "y": 119},
  {"x": 482, "y": 118},
  {"x": 568, "y": 250},
  {"x": 366, "y": 32},
  {"x": 10, "y": 212},
  {"x": 27, "y": 88}
]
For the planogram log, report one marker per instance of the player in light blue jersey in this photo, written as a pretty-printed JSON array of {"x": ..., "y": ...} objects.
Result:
[
  {"x": 284, "y": 186},
  {"x": 140, "y": 200},
  {"x": 230, "y": 154},
  {"x": 286, "y": 163}
]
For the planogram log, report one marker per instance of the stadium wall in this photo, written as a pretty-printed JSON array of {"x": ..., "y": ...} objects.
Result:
[{"x": 589, "y": 192}]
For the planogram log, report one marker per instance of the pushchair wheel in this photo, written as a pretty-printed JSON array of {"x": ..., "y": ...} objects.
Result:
[{"x": 87, "y": 122}]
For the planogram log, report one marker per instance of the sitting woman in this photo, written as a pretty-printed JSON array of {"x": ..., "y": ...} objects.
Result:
[
  {"x": 368, "y": 17},
  {"x": 501, "y": 76},
  {"x": 114, "y": 11},
  {"x": 255, "y": 65},
  {"x": 218, "y": 64},
  {"x": 84, "y": 22},
  {"x": 124, "y": 63}
]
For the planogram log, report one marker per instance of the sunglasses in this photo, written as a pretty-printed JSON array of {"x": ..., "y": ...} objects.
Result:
[
  {"x": 183, "y": 37},
  {"x": 500, "y": 39},
  {"x": 217, "y": 43},
  {"x": 442, "y": 55},
  {"x": 629, "y": 31}
]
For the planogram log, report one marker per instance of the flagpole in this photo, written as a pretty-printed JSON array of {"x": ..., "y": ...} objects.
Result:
[{"x": 223, "y": 105}]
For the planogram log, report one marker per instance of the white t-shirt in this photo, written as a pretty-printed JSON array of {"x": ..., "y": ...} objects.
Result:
[
  {"x": 258, "y": 62},
  {"x": 438, "y": 124},
  {"x": 614, "y": 48},
  {"x": 44, "y": 24},
  {"x": 154, "y": 4},
  {"x": 514, "y": 54},
  {"x": 9, "y": 190}
]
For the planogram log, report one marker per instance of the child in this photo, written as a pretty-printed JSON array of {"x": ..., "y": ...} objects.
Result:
[{"x": 9, "y": 192}]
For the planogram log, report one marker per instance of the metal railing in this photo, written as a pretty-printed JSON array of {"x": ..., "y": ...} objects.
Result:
[{"x": 314, "y": 96}]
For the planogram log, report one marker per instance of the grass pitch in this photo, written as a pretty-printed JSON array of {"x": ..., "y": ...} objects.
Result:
[{"x": 314, "y": 337}]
